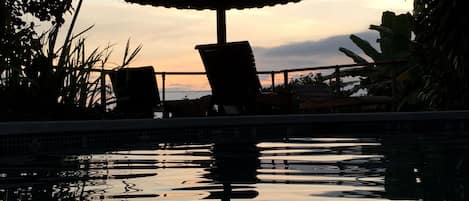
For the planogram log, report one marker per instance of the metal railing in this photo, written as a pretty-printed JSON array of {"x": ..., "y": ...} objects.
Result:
[{"x": 284, "y": 72}]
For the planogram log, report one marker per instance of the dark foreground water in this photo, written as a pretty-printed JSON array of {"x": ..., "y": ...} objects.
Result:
[{"x": 401, "y": 168}]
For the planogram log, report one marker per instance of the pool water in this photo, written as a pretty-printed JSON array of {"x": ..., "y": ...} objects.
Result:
[{"x": 433, "y": 168}]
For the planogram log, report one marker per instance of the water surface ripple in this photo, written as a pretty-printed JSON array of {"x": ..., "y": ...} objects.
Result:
[{"x": 285, "y": 169}]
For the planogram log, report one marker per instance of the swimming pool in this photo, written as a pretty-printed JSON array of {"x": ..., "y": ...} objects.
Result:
[{"x": 400, "y": 167}]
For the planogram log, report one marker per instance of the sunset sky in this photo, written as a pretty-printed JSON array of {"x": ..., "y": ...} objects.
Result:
[{"x": 295, "y": 35}]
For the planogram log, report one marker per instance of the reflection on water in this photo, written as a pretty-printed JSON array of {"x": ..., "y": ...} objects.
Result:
[{"x": 401, "y": 168}]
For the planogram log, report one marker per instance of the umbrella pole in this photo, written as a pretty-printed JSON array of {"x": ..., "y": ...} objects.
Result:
[{"x": 221, "y": 26}]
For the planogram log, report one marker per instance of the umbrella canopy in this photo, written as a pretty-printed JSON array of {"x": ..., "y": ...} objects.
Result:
[
  {"x": 211, "y": 4},
  {"x": 219, "y": 5}
]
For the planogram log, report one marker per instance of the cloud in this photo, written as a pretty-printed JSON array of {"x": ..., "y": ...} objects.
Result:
[{"x": 309, "y": 53}]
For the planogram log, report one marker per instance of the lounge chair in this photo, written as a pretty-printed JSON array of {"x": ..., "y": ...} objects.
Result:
[
  {"x": 320, "y": 98},
  {"x": 231, "y": 72},
  {"x": 136, "y": 92}
]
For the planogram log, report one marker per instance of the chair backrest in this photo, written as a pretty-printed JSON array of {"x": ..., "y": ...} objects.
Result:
[
  {"x": 136, "y": 89},
  {"x": 231, "y": 72}
]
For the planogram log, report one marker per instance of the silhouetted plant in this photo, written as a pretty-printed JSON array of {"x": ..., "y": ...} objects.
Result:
[
  {"x": 19, "y": 46},
  {"x": 129, "y": 55},
  {"x": 436, "y": 76},
  {"x": 311, "y": 79},
  {"x": 39, "y": 81},
  {"x": 395, "y": 44},
  {"x": 18, "y": 39},
  {"x": 443, "y": 52},
  {"x": 77, "y": 85}
]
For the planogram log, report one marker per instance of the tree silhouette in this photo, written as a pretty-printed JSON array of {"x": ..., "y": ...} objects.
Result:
[{"x": 19, "y": 42}]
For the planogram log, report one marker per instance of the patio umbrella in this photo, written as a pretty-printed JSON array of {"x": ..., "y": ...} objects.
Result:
[{"x": 219, "y": 5}]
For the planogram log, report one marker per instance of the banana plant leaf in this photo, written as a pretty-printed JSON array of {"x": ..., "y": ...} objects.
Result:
[
  {"x": 366, "y": 47},
  {"x": 356, "y": 58}
]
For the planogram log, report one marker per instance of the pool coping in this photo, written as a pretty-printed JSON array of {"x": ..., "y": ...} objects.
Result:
[{"x": 51, "y": 127}]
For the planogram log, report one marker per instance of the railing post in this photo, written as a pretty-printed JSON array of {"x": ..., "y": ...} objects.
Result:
[
  {"x": 337, "y": 80},
  {"x": 272, "y": 74},
  {"x": 285, "y": 78},
  {"x": 393, "y": 90},
  {"x": 103, "y": 90},
  {"x": 163, "y": 81}
]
